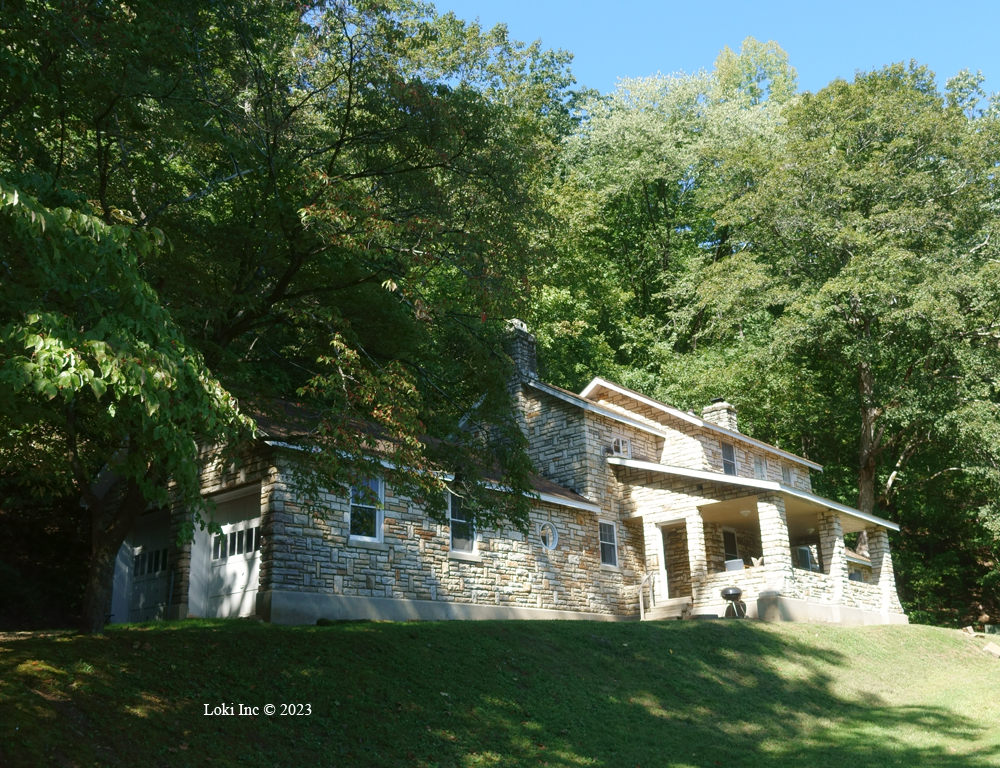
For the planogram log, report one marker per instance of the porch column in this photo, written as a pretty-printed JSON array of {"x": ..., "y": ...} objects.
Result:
[
  {"x": 697, "y": 555},
  {"x": 882, "y": 571},
  {"x": 831, "y": 539},
  {"x": 774, "y": 540}
]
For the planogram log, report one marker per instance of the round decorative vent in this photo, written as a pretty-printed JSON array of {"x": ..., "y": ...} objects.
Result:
[{"x": 549, "y": 535}]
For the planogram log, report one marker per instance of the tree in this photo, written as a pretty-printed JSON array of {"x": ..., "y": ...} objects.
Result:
[
  {"x": 345, "y": 192},
  {"x": 97, "y": 375}
]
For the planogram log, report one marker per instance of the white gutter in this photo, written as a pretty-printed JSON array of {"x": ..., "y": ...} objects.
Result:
[
  {"x": 586, "y": 405},
  {"x": 677, "y": 413},
  {"x": 549, "y": 498},
  {"x": 589, "y": 506},
  {"x": 746, "y": 482}
]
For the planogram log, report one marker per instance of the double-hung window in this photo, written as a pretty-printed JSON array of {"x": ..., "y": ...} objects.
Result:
[
  {"x": 786, "y": 474},
  {"x": 366, "y": 510},
  {"x": 609, "y": 543},
  {"x": 463, "y": 531},
  {"x": 728, "y": 459},
  {"x": 759, "y": 470}
]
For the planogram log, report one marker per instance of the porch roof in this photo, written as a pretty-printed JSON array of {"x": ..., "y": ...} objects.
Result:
[{"x": 749, "y": 482}]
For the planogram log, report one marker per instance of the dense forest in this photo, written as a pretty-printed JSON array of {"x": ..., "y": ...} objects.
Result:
[{"x": 207, "y": 209}]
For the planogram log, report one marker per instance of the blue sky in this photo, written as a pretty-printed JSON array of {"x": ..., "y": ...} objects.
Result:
[{"x": 823, "y": 40}]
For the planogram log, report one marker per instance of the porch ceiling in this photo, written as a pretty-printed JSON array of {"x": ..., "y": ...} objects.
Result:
[
  {"x": 800, "y": 514},
  {"x": 797, "y": 502}
]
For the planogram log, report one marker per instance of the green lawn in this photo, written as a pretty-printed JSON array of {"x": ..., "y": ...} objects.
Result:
[{"x": 502, "y": 693}]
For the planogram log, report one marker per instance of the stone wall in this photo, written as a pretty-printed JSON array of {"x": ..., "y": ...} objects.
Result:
[
  {"x": 678, "y": 565},
  {"x": 556, "y": 438},
  {"x": 414, "y": 561}
]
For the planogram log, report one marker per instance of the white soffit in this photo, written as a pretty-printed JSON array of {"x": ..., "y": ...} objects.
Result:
[
  {"x": 587, "y": 405},
  {"x": 683, "y": 416},
  {"x": 748, "y": 482}
]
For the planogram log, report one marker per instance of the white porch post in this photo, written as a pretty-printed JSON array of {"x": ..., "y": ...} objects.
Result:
[
  {"x": 697, "y": 555},
  {"x": 774, "y": 539},
  {"x": 831, "y": 538},
  {"x": 882, "y": 571}
]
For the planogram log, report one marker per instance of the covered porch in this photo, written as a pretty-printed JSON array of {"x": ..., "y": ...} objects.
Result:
[{"x": 788, "y": 555}]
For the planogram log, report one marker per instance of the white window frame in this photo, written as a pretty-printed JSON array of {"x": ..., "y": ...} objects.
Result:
[
  {"x": 379, "y": 514},
  {"x": 621, "y": 446},
  {"x": 736, "y": 470},
  {"x": 451, "y": 532},
  {"x": 554, "y": 543},
  {"x": 601, "y": 543}
]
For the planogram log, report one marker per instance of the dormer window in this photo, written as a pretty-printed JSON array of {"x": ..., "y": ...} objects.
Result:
[
  {"x": 621, "y": 446},
  {"x": 728, "y": 459}
]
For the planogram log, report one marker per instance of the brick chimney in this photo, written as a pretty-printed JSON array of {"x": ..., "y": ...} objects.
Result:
[
  {"x": 521, "y": 348},
  {"x": 722, "y": 413}
]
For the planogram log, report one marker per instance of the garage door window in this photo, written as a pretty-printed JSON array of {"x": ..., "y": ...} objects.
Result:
[{"x": 235, "y": 543}]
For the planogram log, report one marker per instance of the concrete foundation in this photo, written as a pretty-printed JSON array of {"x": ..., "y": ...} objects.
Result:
[
  {"x": 306, "y": 607},
  {"x": 778, "y": 608}
]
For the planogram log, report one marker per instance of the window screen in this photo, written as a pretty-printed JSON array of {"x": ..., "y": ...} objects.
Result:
[
  {"x": 365, "y": 498},
  {"x": 609, "y": 544},
  {"x": 463, "y": 535},
  {"x": 758, "y": 468},
  {"x": 728, "y": 459}
]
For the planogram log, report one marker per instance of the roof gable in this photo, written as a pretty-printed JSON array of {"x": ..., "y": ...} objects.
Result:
[{"x": 644, "y": 403}]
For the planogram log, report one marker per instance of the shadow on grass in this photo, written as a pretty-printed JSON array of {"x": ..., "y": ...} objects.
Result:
[{"x": 476, "y": 693}]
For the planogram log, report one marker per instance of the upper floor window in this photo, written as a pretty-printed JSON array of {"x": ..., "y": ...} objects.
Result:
[
  {"x": 621, "y": 446},
  {"x": 366, "y": 509},
  {"x": 759, "y": 470},
  {"x": 786, "y": 474},
  {"x": 728, "y": 459},
  {"x": 463, "y": 531},
  {"x": 609, "y": 543}
]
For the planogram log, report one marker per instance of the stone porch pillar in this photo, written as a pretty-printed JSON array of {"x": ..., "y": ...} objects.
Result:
[
  {"x": 697, "y": 554},
  {"x": 831, "y": 540},
  {"x": 774, "y": 540},
  {"x": 882, "y": 571}
]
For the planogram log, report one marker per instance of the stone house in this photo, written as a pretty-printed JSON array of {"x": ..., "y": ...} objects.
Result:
[{"x": 634, "y": 501}]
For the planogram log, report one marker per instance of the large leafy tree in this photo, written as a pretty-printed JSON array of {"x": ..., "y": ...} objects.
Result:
[
  {"x": 345, "y": 191},
  {"x": 96, "y": 374},
  {"x": 634, "y": 197},
  {"x": 864, "y": 269}
]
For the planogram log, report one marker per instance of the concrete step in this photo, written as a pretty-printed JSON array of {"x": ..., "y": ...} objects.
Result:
[{"x": 675, "y": 608}]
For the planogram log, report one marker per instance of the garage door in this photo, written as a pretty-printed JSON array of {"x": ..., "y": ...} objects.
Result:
[
  {"x": 232, "y": 586},
  {"x": 150, "y": 574}
]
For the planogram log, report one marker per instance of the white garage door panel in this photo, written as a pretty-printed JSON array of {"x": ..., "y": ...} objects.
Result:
[
  {"x": 150, "y": 573},
  {"x": 234, "y": 572}
]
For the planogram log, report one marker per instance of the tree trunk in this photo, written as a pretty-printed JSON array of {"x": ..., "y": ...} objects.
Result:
[
  {"x": 871, "y": 437},
  {"x": 100, "y": 578},
  {"x": 110, "y": 524}
]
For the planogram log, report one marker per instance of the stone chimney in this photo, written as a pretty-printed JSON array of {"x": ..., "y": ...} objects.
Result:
[
  {"x": 722, "y": 413},
  {"x": 521, "y": 348}
]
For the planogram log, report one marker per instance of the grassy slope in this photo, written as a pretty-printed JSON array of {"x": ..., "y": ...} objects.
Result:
[{"x": 518, "y": 693}]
